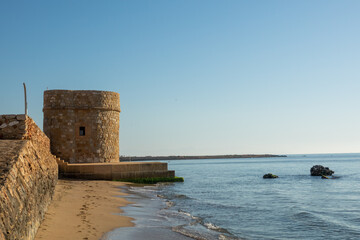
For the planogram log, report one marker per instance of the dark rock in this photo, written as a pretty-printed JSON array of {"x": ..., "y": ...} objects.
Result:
[
  {"x": 270, "y": 175},
  {"x": 319, "y": 170}
]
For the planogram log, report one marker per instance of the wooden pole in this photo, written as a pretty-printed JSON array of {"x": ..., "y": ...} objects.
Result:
[{"x": 25, "y": 99}]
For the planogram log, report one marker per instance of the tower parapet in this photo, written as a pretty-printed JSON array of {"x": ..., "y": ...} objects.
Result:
[{"x": 83, "y": 126}]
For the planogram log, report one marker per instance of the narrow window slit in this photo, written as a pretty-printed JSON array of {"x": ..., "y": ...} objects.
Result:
[{"x": 82, "y": 131}]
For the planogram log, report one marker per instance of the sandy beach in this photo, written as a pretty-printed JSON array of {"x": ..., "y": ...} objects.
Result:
[{"x": 84, "y": 210}]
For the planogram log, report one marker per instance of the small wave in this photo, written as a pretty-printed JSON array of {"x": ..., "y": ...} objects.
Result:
[
  {"x": 208, "y": 225},
  {"x": 224, "y": 237},
  {"x": 198, "y": 234},
  {"x": 319, "y": 220},
  {"x": 323, "y": 220},
  {"x": 175, "y": 196},
  {"x": 181, "y": 196},
  {"x": 187, "y": 233},
  {"x": 216, "y": 228},
  {"x": 185, "y": 213},
  {"x": 303, "y": 215},
  {"x": 169, "y": 204},
  {"x": 189, "y": 215},
  {"x": 211, "y": 226},
  {"x": 142, "y": 189}
]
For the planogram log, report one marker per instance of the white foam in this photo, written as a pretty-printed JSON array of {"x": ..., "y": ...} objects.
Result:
[{"x": 212, "y": 226}]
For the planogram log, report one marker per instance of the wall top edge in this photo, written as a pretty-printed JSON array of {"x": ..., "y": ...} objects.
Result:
[
  {"x": 115, "y": 109},
  {"x": 78, "y": 91}
]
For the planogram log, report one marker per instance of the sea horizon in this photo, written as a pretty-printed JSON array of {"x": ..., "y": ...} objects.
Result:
[{"x": 230, "y": 154}]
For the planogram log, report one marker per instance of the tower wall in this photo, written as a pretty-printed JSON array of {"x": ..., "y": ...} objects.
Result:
[{"x": 83, "y": 126}]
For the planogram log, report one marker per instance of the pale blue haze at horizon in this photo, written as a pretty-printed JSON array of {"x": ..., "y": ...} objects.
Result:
[{"x": 195, "y": 77}]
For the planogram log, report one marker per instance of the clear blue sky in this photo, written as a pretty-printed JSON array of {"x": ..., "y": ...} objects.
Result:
[{"x": 195, "y": 77}]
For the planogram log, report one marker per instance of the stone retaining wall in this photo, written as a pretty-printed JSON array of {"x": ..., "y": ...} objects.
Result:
[
  {"x": 28, "y": 175},
  {"x": 114, "y": 171}
]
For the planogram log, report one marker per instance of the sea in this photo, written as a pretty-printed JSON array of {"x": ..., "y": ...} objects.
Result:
[{"x": 229, "y": 199}]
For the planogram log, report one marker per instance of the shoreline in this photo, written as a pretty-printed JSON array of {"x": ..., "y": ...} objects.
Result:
[
  {"x": 151, "y": 223},
  {"x": 84, "y": 210}
]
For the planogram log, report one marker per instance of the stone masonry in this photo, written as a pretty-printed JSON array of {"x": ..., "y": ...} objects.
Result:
[
  {"x": 83, "y": 126},
  {"x": 12, "y": 127},
  {"x": 28, "y": 175}
]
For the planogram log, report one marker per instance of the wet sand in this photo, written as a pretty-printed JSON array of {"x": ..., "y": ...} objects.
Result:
[
  {"x": 149, "y": 223},
  {"x": 84, "y": 210}
]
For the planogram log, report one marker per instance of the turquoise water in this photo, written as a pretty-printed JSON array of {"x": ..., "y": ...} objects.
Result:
[{"x": 229, "y": 199}]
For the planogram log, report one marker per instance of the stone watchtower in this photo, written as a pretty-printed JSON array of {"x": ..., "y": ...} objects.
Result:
[{"x": 83, "y": 126}]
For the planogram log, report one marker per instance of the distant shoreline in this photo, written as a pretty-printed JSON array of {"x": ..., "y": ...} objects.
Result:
[{"x": 152, "y": 158}]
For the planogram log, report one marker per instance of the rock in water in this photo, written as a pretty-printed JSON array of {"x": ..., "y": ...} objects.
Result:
[
  {"x": 270, "y": 175},
  {"x": 319, "y": 170}
]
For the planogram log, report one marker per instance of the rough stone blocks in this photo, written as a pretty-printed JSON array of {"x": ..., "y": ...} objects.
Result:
[{"x": 83, "y": 126}]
